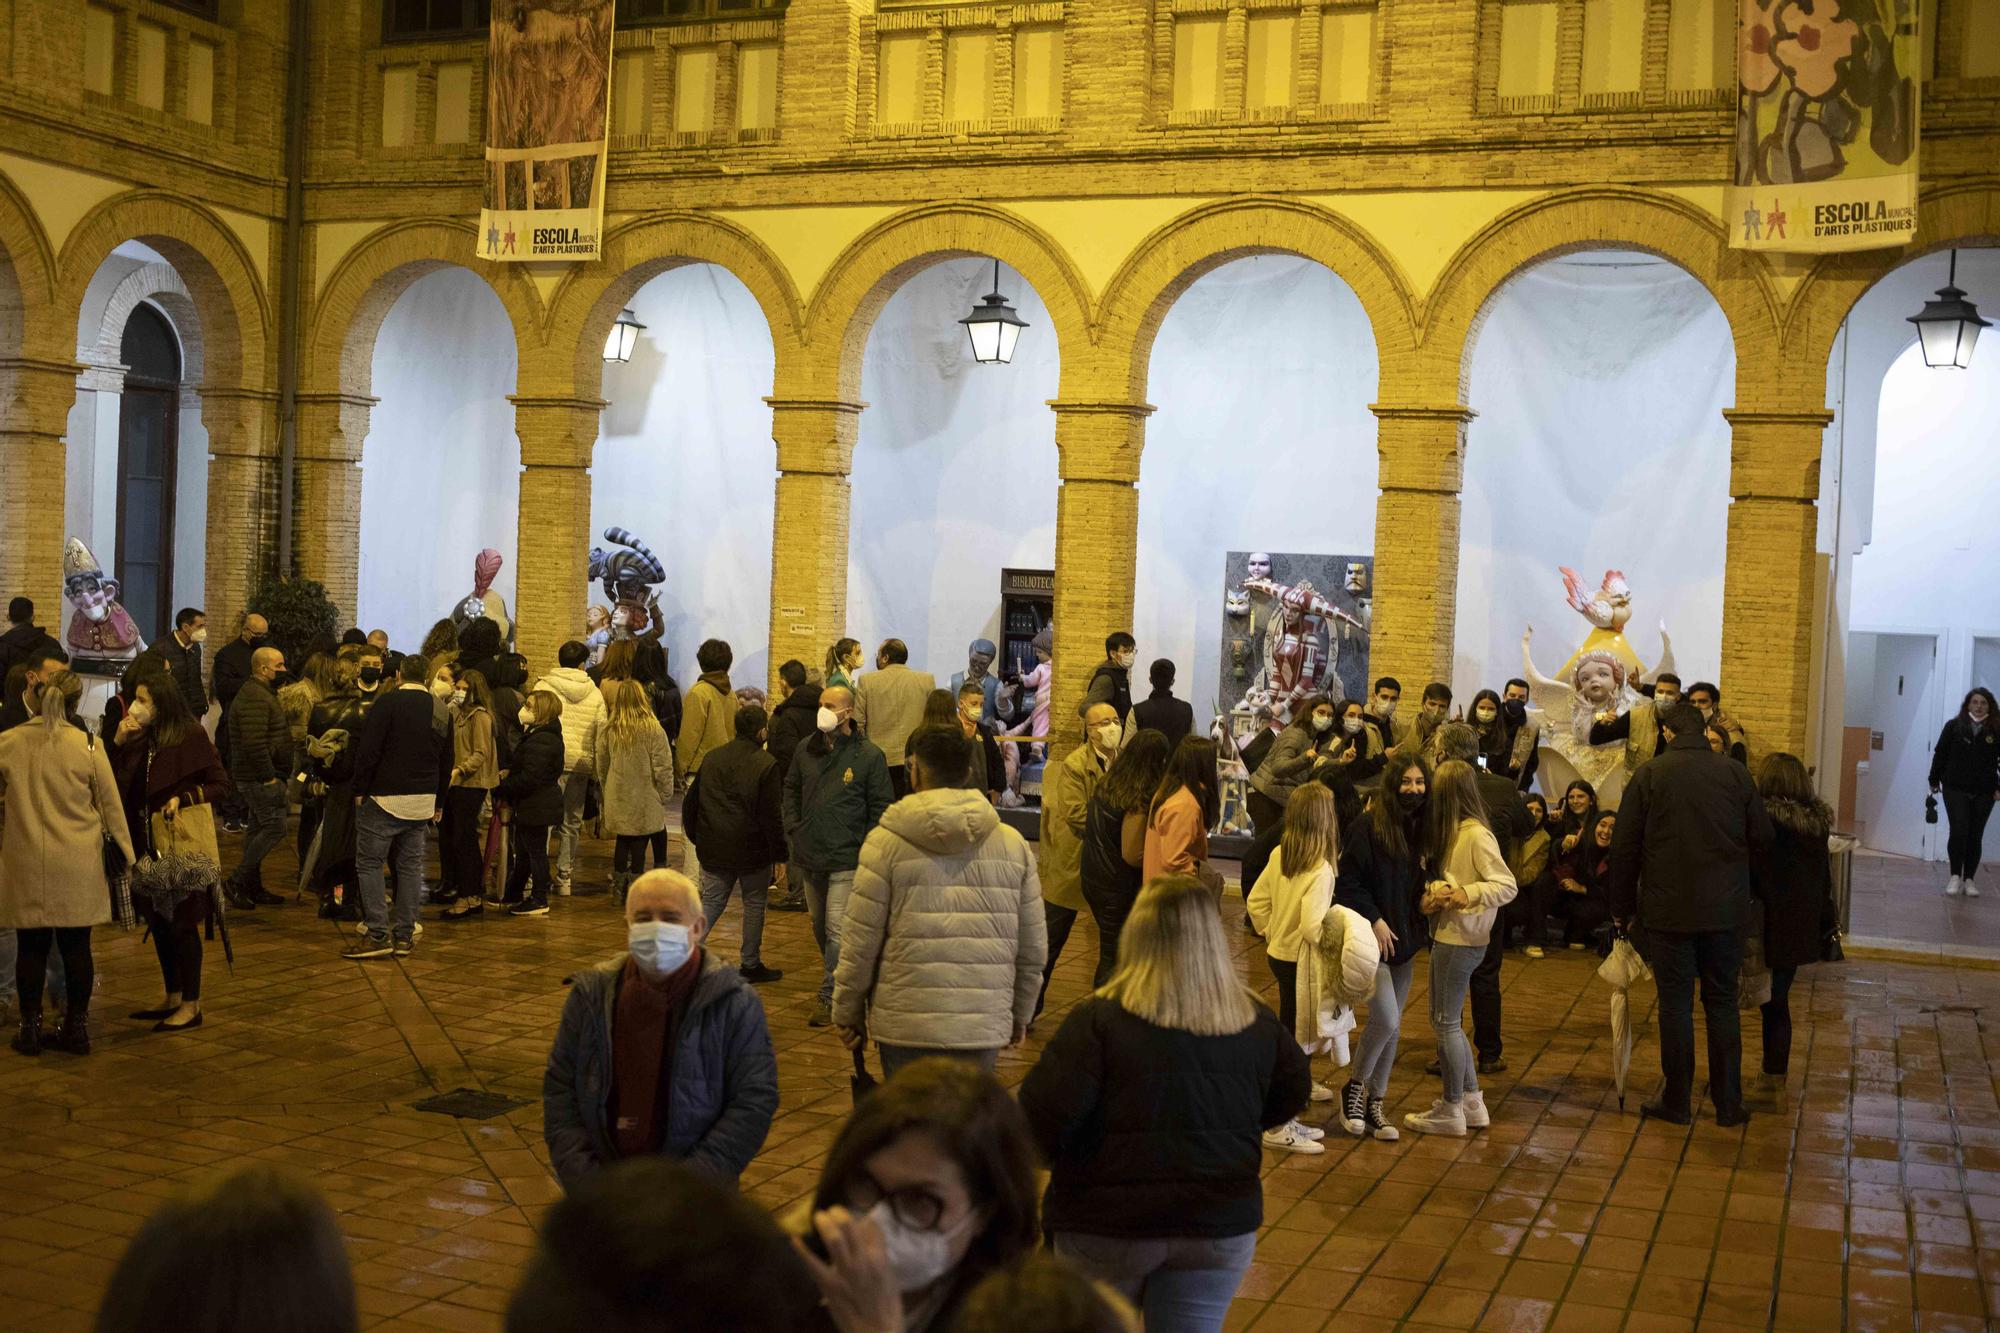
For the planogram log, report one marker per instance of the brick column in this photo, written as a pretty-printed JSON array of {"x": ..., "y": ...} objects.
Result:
[
  {"x": 815, "y": 438},
  {"x": 326, "y": 494},
  {"x": 552, "y": 551},
  {"x": 35, "y": 399},
  {"x": 1416, "y": 540},
  {"x": 1097, "y": 545},
  {"x": 242, "y": 427},
  {"x": 1767, "y": 588}
]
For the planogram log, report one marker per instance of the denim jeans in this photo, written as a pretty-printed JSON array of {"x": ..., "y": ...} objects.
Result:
[
  {"x": 1716, "y": 956},
  {"x": 267, "y": 829},
  {"x": 1179, "y": 1284},
  {"x": 717, "y": 885},
  {"x": 826, "y": 904},
  {"x": 895, "y": 1057},
  {"x": 1375, "y": 1052},
  {"x": 378, "y": 835},
  {"x": 1452, "y": 966},
  {"x": 574, "y": 785}
]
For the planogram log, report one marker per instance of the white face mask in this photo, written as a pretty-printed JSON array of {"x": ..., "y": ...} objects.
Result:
[
  {"x": 1353, "y": 726},
  {"x": 458, "y": 698},
  {"x": 1485, "y": 715},
  {"x": 1107, "y": 736},
  {"x": 527, "y": 716},
  {"x": 829, "y": 720},
  {"x": 1385, "y": 709},
  {"x": 916, "y": 1258},
  {"x": 441, "y": 689},
  {"x": 1322, "y": 722},
  {"x": 140, "y": 713},
  {"x": 658, "y": 947},
  {"x": 1125, "y": 660},
  {"x": 199, "y": 636}
]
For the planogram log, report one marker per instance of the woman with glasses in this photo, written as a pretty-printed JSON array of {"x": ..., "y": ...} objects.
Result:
[
  {"x": 1150, "y": 1104},
  {"x": 929, "y": 1188}
]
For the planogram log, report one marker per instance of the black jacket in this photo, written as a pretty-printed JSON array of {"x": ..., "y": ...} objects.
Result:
[
  {"x": 19, "y": 641},
  {"x": 793, "y": 722},
  {"x": 260, "y": 736},
  {"x": 230, "y": 668},
  {"x": 399, "y": 751},
  {"x": 533, "y": 784},
  {"x": 1109, "y": 684},
  {"x": 339, "y": 712},
  {"x": 1150, "y": 1131},
  {"x": 1161, "y": 712},
  {"x": 733, "y": 810},
  {"x": 1382, "y": 888},
  {"x": 1796, "y": 880},
  {"x": 1507, "y": 810},
  {"x": 1967, "y": 760},
  {"x": 1258, "y": 749},
  {"x": 1691, "y": 828},
  {"x": 184, "y": 665}
]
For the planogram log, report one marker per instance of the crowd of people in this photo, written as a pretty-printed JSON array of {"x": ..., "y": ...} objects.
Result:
[{"x": 876, "y": 799}]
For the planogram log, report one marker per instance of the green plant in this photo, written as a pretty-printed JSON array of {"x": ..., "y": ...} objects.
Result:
[{"x": 299, "y": 612}]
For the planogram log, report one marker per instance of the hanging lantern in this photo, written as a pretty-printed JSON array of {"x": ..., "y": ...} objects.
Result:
[
  {"x": 1948, "y": 325},
  {"x": 993, "y": 326},
  {"x": 624, "y": 334}
]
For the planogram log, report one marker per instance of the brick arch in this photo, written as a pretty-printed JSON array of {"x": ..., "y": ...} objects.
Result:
[
  {"x": 369, "y": 279},
  {"x": 1595, "y": 218},
  {"x": 221, "y": 281},
  {"x": 27, "y": 277},
  {"x": 101, "y": 331},
  {"x": 1179, "y": 254},
  {"x": 590, "y": 296},
  {"x": 1965, "y": 215},
  {"x": 871, "y": 269}
]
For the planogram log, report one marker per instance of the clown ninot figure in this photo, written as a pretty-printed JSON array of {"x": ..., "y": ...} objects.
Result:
[
  {"x": 483, "y": 601},
  {"x": 102, "y": 639}
]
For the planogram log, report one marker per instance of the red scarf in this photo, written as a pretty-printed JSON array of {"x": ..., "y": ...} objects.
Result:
[{"x": 645, "y": 1025}]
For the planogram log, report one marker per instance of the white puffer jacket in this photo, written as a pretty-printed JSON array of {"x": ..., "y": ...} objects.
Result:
[
  {"x": 583, "y": 709},
  {"x": 944, "y": 936}
]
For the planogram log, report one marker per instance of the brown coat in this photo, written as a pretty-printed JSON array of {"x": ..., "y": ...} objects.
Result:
[{"x": 61, "y": 803}]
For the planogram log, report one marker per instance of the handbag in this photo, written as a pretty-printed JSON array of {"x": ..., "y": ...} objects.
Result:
[
  {"x": 1830, "y": 950},
  {"x": 1930, "y": 809}
]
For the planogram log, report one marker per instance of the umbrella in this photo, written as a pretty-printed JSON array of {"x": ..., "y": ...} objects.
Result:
[
  {"x": 1620, "y": 970},
  {"x": 220, "y": 917},
  {"x": 861, "y": 1082},
  {"x": 311, "y": 861}
]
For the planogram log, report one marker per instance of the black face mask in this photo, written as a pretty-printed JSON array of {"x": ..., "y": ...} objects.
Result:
[
  {"x": 1515, "y": 709},
  {"x": 371, "y": 675},
  {"x": 1410, "y": 801}
]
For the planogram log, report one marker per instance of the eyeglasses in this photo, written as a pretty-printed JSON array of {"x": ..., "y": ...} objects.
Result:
[{"x": 913, "y": 1206}]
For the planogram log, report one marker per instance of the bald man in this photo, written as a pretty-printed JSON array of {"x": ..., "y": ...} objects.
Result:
[
  {"x": 662, "y": 1050},
  {"x": 260, "y": 759}
]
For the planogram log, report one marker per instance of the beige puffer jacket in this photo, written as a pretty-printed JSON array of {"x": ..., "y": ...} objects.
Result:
[{"x": 944, "y": 936}]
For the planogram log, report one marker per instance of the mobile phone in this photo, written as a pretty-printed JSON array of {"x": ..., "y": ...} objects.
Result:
[{"x": 1482, "y": 762}]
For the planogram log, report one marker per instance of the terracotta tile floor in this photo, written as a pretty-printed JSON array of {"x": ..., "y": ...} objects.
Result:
[
  {"x": 1872, "y": 1202},
  {"x": 1900, "y": 902}
]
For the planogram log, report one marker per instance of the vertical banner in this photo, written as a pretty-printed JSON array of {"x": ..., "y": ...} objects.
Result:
[
  {"x": 1826, "y": 125},
  {"x": 548, "y": 97}
]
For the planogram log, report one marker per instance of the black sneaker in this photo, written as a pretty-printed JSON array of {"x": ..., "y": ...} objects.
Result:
[
  {"x": 239, "y": 901},
  {"x": 795, "y": 901},
  {"x": 760, "y": 974},
  {"x": 369, "y": 946},
  {"x": 1353, "y": 1109},
  {"x": 1379, "y": 1128},
  {"x": 536, "y": 906},
  {"x": 403, "y": 948},
  {"x": 265, "y": 898}
]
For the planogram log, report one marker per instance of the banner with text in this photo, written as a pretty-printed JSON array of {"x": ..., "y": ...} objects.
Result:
[
  {"x": 548, "y": 96},
  {"x": 1826, "y": 126}
]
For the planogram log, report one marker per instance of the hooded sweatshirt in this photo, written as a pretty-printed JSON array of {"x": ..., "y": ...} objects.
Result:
[
  {"x": 583, "y": 709},
  {"x": 944, "y": 937}
]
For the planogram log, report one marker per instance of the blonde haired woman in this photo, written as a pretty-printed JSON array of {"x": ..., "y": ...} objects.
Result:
[
  {"x": 1287, "y": 905},
  {"x": 62, "y": 803},
  {"x": 1150, "y": 1104},
  {"x": 635, "y": 767},
  {"x": 1463, "y": 903}
]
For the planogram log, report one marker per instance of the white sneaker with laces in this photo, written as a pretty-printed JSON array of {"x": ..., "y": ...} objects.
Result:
[
  {"x": 1968, "y": 888},
  {"x": 1321, "y": 1092},
  {"x": 1443, "y": 1118},
  {"x": 1951, "y": 887},
  {"x": 1313, "y": 1132},
  {"x": 1287, "y": 1138},
  {"x": 1474, "y": 1107}
]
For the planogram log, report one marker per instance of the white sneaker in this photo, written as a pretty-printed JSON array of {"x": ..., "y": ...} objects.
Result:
[
  {"x": 1534, "y": 951},
  {"x": 1951, "y": 887},
  {"x": 1968, "y": 888},
  {"x": 1442, "y": 1118},
  {"x": 1321, "y": 1092},
  {"x": 1474, "y": 1107},
  {"x": 1313, "y": 1132},
  {"x": 1288, "y": 1138}
]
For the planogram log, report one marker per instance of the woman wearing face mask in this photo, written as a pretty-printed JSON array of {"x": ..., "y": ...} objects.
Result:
[
  {"x": 1470, "y": 884},
  {"x": 843, "y": 664},
  {"x": 475, "y": 772},
  {"x": 1151, "y": 1102},
  {"x": 929, "y": 1187},
  {"x": 443, "y": 684},
  {"x": 1495, "y": 743},
  {"x": 1114, "y": 840},
  {"x": 1384, "y": 865},
  {"x": 1182, "y": 812},
  {"x": 1965, "y": 768},
  {"x": 1358, "y": 747},
  {"x": 532, "y": 788},
  {"x": 1530, "y": 863},
  {"x": 167, "y": 771},
  {"x": 319, "y": 680},
  {"x": 1302, "y": 748}
]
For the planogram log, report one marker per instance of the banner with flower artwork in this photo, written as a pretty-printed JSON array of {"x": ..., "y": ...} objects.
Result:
[
  {"x": 548, "y": 98},
  {"x": 1826, "y": 125}
]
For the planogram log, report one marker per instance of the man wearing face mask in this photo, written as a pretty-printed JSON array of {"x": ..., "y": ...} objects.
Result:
[
  {"x": 1645, "y": 715},
  {"x": 1523, "y": 738},
  {"x": 260, "y": 759},
  {"x": 836, "y": 791},
  {"x": 229, "y": 670},
  {"x": 661, "y": 1051},
  {"x": 402, "y": 768},
  {"x": 1111, "y": 683},
  {"x": 1066, "y": 793},
  {"x": 181, "y": 651},
  {"x": 944, "y": 936},
  {"x": 39, "y": 663},
  {"x": 331, "y": 731},
  {"x": 1382, "y": 701}
]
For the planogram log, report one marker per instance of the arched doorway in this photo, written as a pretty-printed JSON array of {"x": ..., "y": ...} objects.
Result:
[{"x": 147, "y": 469}]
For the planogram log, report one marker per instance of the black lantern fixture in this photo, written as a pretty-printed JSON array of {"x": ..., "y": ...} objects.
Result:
[
  {"x": 624, "y": 335},
  {"x": 1948, "y": 325},
  {"x": 993, "y": 326}
]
